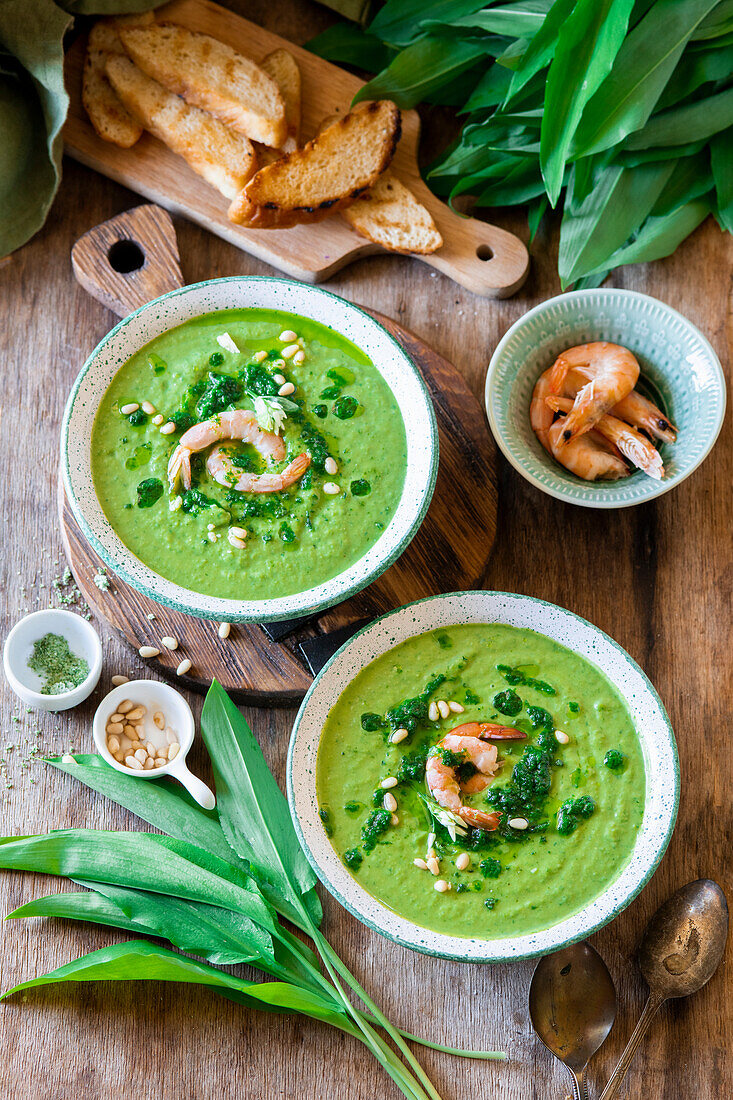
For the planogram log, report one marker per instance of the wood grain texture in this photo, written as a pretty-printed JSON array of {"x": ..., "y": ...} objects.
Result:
[
  {"x": 658, "y": 578},
  {"x": 308, "y": 252}
]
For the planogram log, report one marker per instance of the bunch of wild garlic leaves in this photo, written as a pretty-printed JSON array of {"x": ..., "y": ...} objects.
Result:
[
  {"x": 215, "y": 886},
  {"x": 619, "y": 112}
]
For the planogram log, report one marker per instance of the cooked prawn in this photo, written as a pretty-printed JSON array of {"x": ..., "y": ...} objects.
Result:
[
  {"x": 444, "y": 786},
  {"x": 642, "y": 413},
  {"x": 541, "y": 415},
  {"x": 635, "y": 446},
  {"x": 223, "y": 470},
  {"x": 589, "y": 456},
  {"x": 239, "y": 424},
  {"x": 610, "y": 371}
]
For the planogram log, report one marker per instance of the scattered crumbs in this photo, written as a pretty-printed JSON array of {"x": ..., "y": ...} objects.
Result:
[
  {"x": 151, "y": 617},
  {"x": 101, "y": 579}
]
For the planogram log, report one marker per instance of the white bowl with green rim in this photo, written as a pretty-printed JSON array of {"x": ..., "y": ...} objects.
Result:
[
  {"x": 652, "y": 725},
  {"x": 241, "y": 292},
  {"x": 679, "y": 368}
]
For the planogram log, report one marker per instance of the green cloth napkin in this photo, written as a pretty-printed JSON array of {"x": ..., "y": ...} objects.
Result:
[{"x": 33, "y": 106}]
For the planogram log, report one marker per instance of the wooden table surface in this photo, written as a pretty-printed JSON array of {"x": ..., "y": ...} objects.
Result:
[{"x": 658, "y": 578}]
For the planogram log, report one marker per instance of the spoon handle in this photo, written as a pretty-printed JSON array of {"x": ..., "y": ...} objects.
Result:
[
  {"x": 580, "y": 1087},
  {"x": 650, "y": 1010}
]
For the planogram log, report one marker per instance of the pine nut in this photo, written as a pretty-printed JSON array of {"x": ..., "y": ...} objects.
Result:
[
  {"x": 118, "y": 680},
  {"x": 173, "y": 750},
  {"x": 151, "y": 749},
  {"x": 331, "y": 488},
  {"x": 235, "y": 540},
  {"x": 171, "y": 735},
  {"x": 130, "y": 731},
  {"x": 212, "y": 537},
  {"x": 149, "y": 763},
  {"x": 299, "y": 357},
  {"x": 133, "y": 763},
  {"x": 125, "y": 743},
  {"x": 441, "y": 886},
  {"x": 518, "y": 823},
  {"x": 443, "y": 708},
  {"x": 175, "y": 505},
  {"x": 169, "y": 642},
  {"x": 431, "y": 839},
  {"x": 287, "y": 336},
  {"x": 160, "y": 761},
  {"x": 289, "y": 351},
  {"x": 68, "y": 759},
  {"x": 158, "y": 419},
  {"x": 136, "y": 713},
  {"x": 168, "y": 428},
  {"x": 141, "y": 755},
  {"x": 113, "y": 744},
  {"x": 394, "y": 820},
  {"x": 389, "y": 802},
  {"x": 463, "y": 861},
  {"x": 115, "y": 727},
  {"x": 433, "y": 712},
  {"x": 278, "y": 364},
  {"x": 240, "y": 532},
  {"x": 119, "y": 756},
  {"x": 398, "y": 735},
  {"x": 457, "y": 708},
  {"x": 159, "y": 719},
  {"x": 286, "y": 390},
  {"x": 562, "y": 737},
  {"x": 148, "y": 651},
  {"x": 128, "y": 410},
  {"x": 280, "y": 379},
  {"x": 388, "y": 783},
  {"x": 183, "y": 668},
  {"x": 148, "y": 408},
  {"x": 331, "y": 466},
  {"x": 421, "y": 864},
  {"x": 116, "y": 717},
  {"x": 124, "y": 706},
  {"x": 433, "y": 866},
  {"x": 224, "y": 629},
  {"x": 259, "y": 356}
]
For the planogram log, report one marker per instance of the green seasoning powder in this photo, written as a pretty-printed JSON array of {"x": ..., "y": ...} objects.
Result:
[{"x": 53, "y": 659}]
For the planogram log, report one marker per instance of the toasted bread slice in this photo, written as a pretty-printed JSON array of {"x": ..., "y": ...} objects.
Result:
[
  {"x": 225, "y": 159},
  {"x": 106, "y": 114},
  {"x": 212, "y": 76},
  {"x": 282, "y": 67},
  {"x": 390, "y": 215},
  {"x": 326, "y": 174}
]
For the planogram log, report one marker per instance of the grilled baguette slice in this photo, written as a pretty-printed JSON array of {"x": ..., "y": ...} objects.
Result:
[
  {"x": 326, "y": 175},
  {"x": 282, "y": 67},
  {"x": 390, "y": 215},
  {"x": 212, "y": 76},
  {"x": 225, "y": 159},
  {"x": 106, "y": 114}
]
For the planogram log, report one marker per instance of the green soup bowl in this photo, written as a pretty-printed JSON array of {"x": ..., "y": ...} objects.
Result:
[
  {"x": 679, "y": 368},
  {"x": 647, "y": 713}
]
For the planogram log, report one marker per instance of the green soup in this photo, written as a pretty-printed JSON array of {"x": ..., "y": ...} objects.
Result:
[
  {"x": 582, "y": 799},
  {"x": 340, "y": 409}
]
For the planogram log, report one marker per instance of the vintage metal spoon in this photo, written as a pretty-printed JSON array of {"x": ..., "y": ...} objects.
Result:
[
  {"x": 572, "y": 1005},
  {"x": 680, "y": 952}
]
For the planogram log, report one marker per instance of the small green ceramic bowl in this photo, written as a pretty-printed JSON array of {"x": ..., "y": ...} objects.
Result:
[{"x": 679, "y": 370}]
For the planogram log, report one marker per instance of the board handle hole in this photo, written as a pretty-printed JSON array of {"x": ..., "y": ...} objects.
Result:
[
  {"x": 126, "y": 256},
  {"x": 484, "y": 252}
]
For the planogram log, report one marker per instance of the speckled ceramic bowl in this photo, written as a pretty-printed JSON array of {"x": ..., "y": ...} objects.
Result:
[
  {"x": 645, "y": 707},
  {"x": 240, "y": 292},
  {"x": 676, "y": 359}
]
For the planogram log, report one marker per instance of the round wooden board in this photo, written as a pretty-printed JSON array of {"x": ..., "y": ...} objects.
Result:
[{"x": 450, "y": 552}]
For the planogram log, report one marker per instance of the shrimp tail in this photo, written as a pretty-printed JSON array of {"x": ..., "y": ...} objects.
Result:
[
  {"x": 479, "y": 819},
  {"x": 489, "y": 731}
]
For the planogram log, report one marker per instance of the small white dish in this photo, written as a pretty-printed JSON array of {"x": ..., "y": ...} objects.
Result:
[
  {"x": 83, "y": 642},
  {"x": 155, "y": 696}
]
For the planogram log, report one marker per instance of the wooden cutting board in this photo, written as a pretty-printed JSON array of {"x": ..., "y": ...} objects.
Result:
[
  {"x": 450, "y": 551},
  {"x": 485, "y": 259}
]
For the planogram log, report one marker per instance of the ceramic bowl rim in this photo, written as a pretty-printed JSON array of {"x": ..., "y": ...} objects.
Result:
[
  {"x": 660, "y": 847},
  {"x": 655, "y": 489},
  {"x": 226, "y": 609}
]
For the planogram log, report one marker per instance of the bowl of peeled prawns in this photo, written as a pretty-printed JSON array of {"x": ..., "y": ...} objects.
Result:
[{"x": 605, "y": 398}]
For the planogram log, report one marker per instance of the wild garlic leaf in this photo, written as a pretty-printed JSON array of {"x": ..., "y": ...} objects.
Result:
[
  {"x": 143, "y": 861},
  {"x": 429, "y": 64},
  {"x": 164, "y": 804},
  {"x": 660, "y": 236},
  {"x": 692, "y": 122},
  {"x": 721, "y": 160},
  {"x": 351, "y": 45},
  {"x": 399, "y": 22},
  {"x": 254, "y": 813},
  {"x": 587, "y": 44},
  {"x": 643, "y": 66},
  {"x": 540, "y": 50}
]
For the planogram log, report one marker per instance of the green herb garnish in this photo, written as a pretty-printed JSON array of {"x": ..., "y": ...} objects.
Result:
[
  {"x": 149, "y": 491},
  {"x": 508, "y": 702},
  {"x": 345, "y": 407},
  {"x": 614, "y": 759},
  {"x": 360, "y": 487}
]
